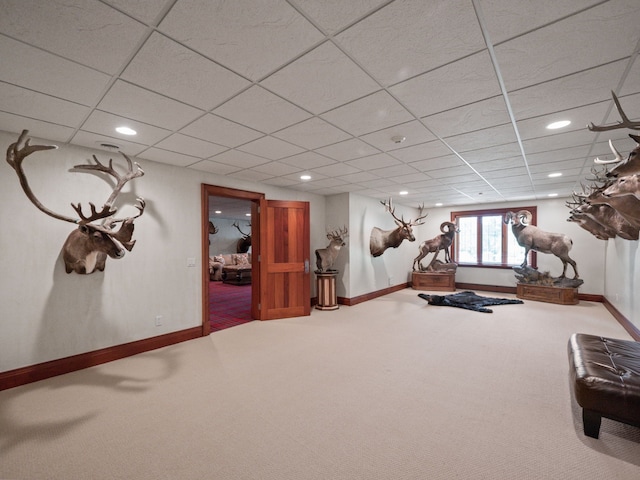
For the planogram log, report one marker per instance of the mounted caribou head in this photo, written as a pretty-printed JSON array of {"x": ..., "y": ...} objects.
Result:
[
  {"x": 380, "y": 239},
  {"x": 87, "y": 247},
  {"x": 245, "y": 242}
]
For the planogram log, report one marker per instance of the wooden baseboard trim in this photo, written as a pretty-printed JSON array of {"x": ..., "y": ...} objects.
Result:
[
  {"x": 370, "y": 296},
  {"x": 622, "y": 320},
  {"x": 485, "y": 288},
  {"x": 42, "y": 371}
]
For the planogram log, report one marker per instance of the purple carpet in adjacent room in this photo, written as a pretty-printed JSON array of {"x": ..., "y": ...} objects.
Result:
[{"x": 229, "y": 305}]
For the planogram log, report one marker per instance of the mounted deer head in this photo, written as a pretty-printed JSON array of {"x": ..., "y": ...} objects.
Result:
[
  {"x": 325, "y": 257},
  {"x": 86, "y": 248},
  {"x": 245, "y": 242},
  {"x": 625, "y": 123},
  {"x": 624, "y": 166},
  {"x": 380, "y": 239}
]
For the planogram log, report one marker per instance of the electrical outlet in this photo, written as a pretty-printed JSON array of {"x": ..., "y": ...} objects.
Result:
[
  {"x": 191, "y": 262},
  {"x": 158, "y": 320},
  {"x": 390, "y": 281}
]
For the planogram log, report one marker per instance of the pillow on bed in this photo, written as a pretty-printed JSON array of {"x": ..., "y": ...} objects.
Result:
[{"x": 219, "y": 259}]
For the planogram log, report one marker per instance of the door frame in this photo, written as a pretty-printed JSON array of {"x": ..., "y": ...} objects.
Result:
[{"x": 255, "y": 198}]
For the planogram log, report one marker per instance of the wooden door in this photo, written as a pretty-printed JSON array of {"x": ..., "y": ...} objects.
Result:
[{"x": 284, "y": 259}]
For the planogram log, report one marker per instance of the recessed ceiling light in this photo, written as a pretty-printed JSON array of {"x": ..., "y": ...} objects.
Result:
[
  {"x": 552, "y": 195},
  {"x": 560, "y": 124},
  {"x": 403, "y": 192},
  {"x": 218, "y": 211},
  {"x": 247, "y": 214},
  {"x": 126, "y": 131},
  {"x": 305, "y": 177},
  {"x": 438, "y": 204},
  {"x": 555, "y": 174}
]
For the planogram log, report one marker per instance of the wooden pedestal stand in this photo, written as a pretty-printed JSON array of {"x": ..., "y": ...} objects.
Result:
[
  {"x": 326, "y": 287},
  {"x": 438, "y": 281},
  {"x": 549, "y": 294}
]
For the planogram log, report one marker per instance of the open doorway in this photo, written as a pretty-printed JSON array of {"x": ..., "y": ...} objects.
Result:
[
  {"x": 230, "y": 254},
  {"x": 228, "y": 250}
]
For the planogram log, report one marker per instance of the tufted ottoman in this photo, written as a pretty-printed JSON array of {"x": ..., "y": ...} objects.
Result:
[{"x": 606, "y": 379}]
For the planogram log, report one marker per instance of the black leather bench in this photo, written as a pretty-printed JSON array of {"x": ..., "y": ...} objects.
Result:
[{"x": 606, "y": 380}]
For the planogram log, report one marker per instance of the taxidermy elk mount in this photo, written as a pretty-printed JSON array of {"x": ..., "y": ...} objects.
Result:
[
  {"x": 532, "y": 238},
  {"x": 325, "y": 257},
  {"x": 434, "y": 245},
  {"x": 380, "y": 239},
  {"x": 613, "y": 200},
  {"x": 245, "y": 242},
  {"x": 87, "y": 247}
]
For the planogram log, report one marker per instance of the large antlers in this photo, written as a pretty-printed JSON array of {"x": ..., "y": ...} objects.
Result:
[
  {"x": 388, "y": 205},
  {"x": 625, "y": 123}
]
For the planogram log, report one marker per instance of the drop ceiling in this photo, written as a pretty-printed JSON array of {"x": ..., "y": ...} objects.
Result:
[{"x": 268, "y": 90}]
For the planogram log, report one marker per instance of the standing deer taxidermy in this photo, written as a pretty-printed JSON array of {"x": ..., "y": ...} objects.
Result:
[
  {"x": 325, "y": 257},
  {"x": 532, "y": 238},
  {"x": 86, "y": 248},
  {"x": 441, "y": 242},
  {"x": 380, "y": 239},
  {"x": 243, "y": 243}
]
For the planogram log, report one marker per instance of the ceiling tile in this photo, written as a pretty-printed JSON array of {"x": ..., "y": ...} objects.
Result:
[
  {"x": 85, "y": 31},
  {"x": 308, "y": 160},
  {"x": 506, "y": 19},
  {"x": 171, "y": 158},
  {"x": 581, "y": 88},
  {"x": 145, "y": 106},
  {"x": 312, "y": 133},
  {"x": 105, "y": 124},
  {"x": 250, "y": 175},
  {"x": 277, "y": 168},
  {"x": 37, "y": 128},
  {"x": 375, "y": 112},
  {"x": 336, "y": 170},
  {"x": 239, "y": 159},
  {"x": 333, "y": 16},
  {"x": 582, "y": 41},
  {"x": 190, "y": 146},
  {"x": 321, "y": 80},
  {"x": 261, "y": 110},
  {"x": 347, "y": 150},
  {"x": 500, "y": 135},
  {"x": 214, "y": 167},
  {"x": 374, "y": 161},
  {"x": 475, "y": 116},
  {"x": 421, "y": 152},
  {"x": 43, "y": 72},
  {"x": 104, "y": 142},
  {"x": 221, "y": 131},
  {"x": 167, "y": 67},
  {"x": 394, "y": 171},
  {"x": 24, "y": 102},
  {"x": 251, "y": 38},
  {"x": 435, "y": 92},
  {"x": 271, "y": 148},
  {"x": 437, "y": 163},
  {"x": 414, "y": 133},
  {"x": 385, "y": 52},
  {"x": 144, "y": 10}
]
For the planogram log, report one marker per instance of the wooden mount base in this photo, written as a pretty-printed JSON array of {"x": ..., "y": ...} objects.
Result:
[
  {"x": 549, "y": 294},
  {"x": 326, "y": 287},
  {"x": 437, "y": 281}
]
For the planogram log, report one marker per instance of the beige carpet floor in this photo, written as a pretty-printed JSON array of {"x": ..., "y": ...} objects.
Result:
[{"x": 389, "y": 389}]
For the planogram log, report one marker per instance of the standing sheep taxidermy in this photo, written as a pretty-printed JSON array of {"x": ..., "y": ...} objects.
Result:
[
  {"x": 532, "y": 238},
  {"x": 325, "y": 257},
  {"x": 434, "y": 245}
]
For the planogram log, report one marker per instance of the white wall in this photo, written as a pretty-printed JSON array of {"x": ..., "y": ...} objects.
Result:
[
  {"x": 622, "y": 278},
  {"x": 46, "y": 314}
]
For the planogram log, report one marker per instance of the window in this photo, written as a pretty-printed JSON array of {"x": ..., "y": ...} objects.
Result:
[{"x": 486, "y": 241}]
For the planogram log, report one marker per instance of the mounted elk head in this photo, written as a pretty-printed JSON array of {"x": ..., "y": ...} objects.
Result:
[
  {"x": 631, "y": 164},
  {"x": 86, "y": 248},
  {"x": 325, "y": 257},
  {"x": 380, "y": 239},
  {"x": 245, "y": 242}
]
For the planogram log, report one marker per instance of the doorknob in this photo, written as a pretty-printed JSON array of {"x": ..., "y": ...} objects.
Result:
[{"x": 306, "y": 265}]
